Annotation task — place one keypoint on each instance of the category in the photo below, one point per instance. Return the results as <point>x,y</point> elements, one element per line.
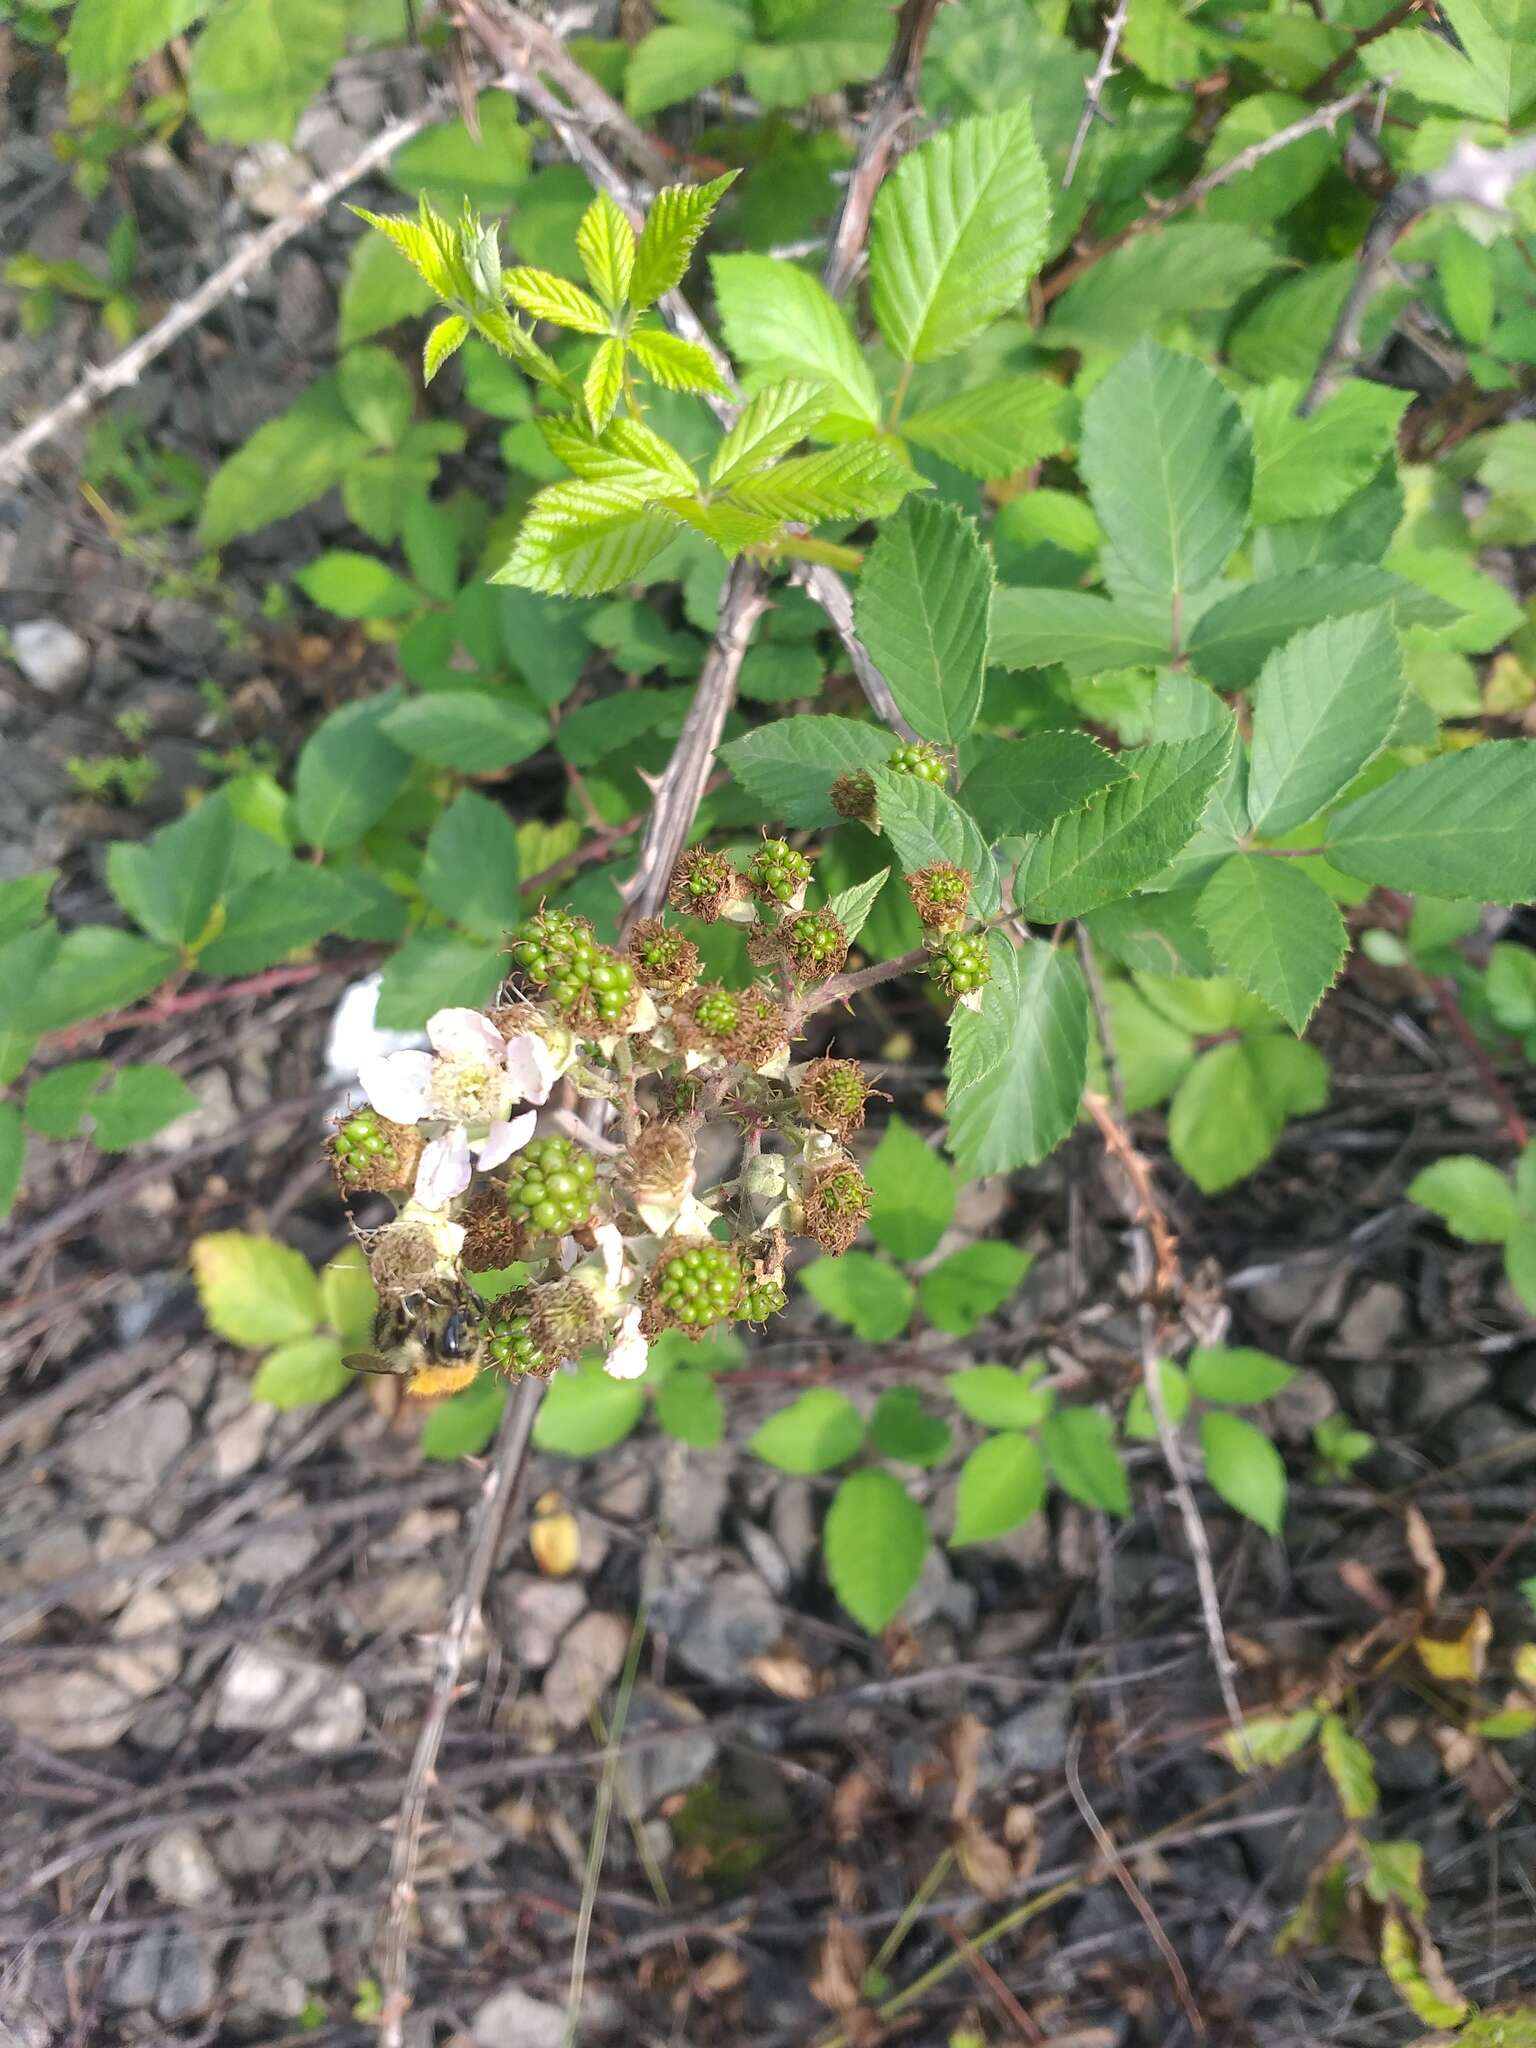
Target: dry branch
<point>1093,99</point>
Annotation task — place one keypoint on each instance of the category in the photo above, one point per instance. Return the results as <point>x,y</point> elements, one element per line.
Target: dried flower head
<point>493,1237</point>
<point>703,884</point>
<point>564,1319</point>
<point>836,1202</point>
<point>762,1030</point>
<point>816,943</point>
<point>833,1094</point>
<point>658,1173</point>
<point>853,796</point>
<point>404,1258</point>
<point>666,962</point>
<point>940,893</point>
<point>371,1155</point>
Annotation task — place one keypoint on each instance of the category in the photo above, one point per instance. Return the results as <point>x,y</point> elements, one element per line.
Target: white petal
<point>464,1035</point>
<point>396,1083</point>
<point>504,1138</point>
<point>631,1354</point>
<point>532,1068</point>
<point>610,1243</point>
<point>444,1170</point>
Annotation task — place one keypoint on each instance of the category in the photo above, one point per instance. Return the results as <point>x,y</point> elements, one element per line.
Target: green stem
<point>899,396</point>
<point>804,547</point>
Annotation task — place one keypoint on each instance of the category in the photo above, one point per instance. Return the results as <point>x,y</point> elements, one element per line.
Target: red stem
<point>168,1003</point>
<point>1443,989</point>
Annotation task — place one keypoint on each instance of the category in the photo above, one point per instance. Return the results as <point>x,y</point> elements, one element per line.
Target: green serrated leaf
<point>24,901</point>
<point>544,296</point>
<point>349,773</point>
<point>140,1102</point>
<point>1086,635</point>
<point>357,586</point>
<point>56,1101</point>
<point>437,970</point>
<point>1459,825</point>
<point>959,230</point>
<point>463,1425</point>
<point>782,323</point>
<point>1240,1377</point>
<point>254,1290</point>
<point>1471,1197</point>
<point>259,63</point>
<point>1079,1444</point>
<point>1276,930</point>
<point>672,64</point>
<point>874,1299</point>
<point>1000,1398</point>
<point>1244,1468</point>
<point>926,825</point>
<point>1126,834</point>
<point>789,765</point>
<point>1017,1066</point>
<point>628,452</point>
<point>860,479</point>
<point>107,38</point>
<point>1001,1484</point>
<point>585,1412</point>
<point>93,970</point>
<point>768,426</point>
<point>170,885</point>
<point>605,242</point>
<point>819,1430</point>
<point>970,1285</point>
<point>1230,1108</point>
<point>1235,637</point>
<point>581,538</point>
<point>688,1407</point>
<point>995,428</point>
<point>902,1428</point>
<point>923,607</point>
<point>382,284</point>
<point>603,385</point>
<point>13,1154</point>
<point>678,216</point>
<point>1306,468</point>
<point>1168,463</point>
<point>1325,705</point>
<point>470,869</point>
<point>914,1193</point>
<point>1013,787</point>
<point>300,1373</point>
<point>284,466</point>
<point>446,338</point>
<point>1141,1421</point>
<point>851,906</point>
<point>676,364</point>
<point>874,1540</point>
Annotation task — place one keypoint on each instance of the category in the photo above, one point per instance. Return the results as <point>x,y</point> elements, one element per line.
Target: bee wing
<point>370,1361</point>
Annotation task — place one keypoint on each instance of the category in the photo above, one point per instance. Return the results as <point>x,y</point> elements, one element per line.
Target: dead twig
<point>1093,99</point>
<point>1167,1279</point>
<point>1326,80</point>
<point>893,106</point>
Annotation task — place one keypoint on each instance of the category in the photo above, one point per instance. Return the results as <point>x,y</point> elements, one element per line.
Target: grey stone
<point>1371,1387</point>
<point>184,628</point>
<point>132,1446</point>
<point>51,655</point>
<point>653,1773</point>
<point>1372,1321</point>
<point>305,309</point>
<point>236,1445</point>
<point>147,1670</point>
<point>69,1709</point>
<point>301,1943</point>
<point>1298,1408</point>
<point>397,1602</point>
<point>538,1611</point>
<point>279,1692</point>
<point>217,1115</point>
<point>792,1520</point>
<point>275,1555</point>
<point>189,1977</point>
<point>732,1621</point>
<point>1442,1383</point>
<point>250,1846</point>
<point>133,1977</point>
<point>271,180</point>
<point>1517,1383</point>
<point>513,2019</point>
<point>693,1514</point>
<point>1486,1431</point>
<point>260,1980</point>
<point>766,1558</point>
<point>182,1870</point>
<point>586,1664</point>
<point>336,1721</point>
<point>1029,1742</point>
<point>939,1593</point>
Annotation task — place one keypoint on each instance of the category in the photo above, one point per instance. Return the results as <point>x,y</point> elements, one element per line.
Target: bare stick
<point>1325,81</point>
<point>125,369</point>
<point>1093,99</point>
<point>893,106</point>
<point>496,1497</point>
<point>1161,211</point>
<point>1471,176</point>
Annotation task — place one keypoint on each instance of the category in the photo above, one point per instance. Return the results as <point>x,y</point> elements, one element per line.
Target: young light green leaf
<point>874,1539</point>
<point>437,970</point>
<point>1234,638</point>
<point>1086,634</point>
<point>875,1300</point>
<point>922,609</point>
<point>1434,71</point>
<point>24,901</point>
<point>902,1428</point>
<point>544,296</point>
<point>1241,1377</point>
<point>301,1373</point>
<point>1243,1466</point>
<point>582,538</point>
<point>1459,825</point>
<point>676,364</point>
<point>995,428</point>
<point>1000,1398</point>
<point>1126,834</point>
<point>285,465</point>
<point>1276,930</point>
<point>782,323</point>
<point>689,1408</point>
<point>470,730</point>
<point>1307,467</point>
<point>1325,704</point>
<point>107,38</point>
<point>470,869</point>
<point>673,63</point>
<point>1001,1484</point>
<point>170,885</point>
<point>462,1426</point>
<point>1230,1108</point>
<point>603,385</point>
<point>1017,1066</point>
<point>382,287</point>
<point>859,479</point>
<point>140,1102</point>
<point>428,243</point>
<point>94,969</point>
<point>446,338</point>
<point>925,825</point>
<point>1348,1763</point>
<point>259,63</point>
<point>1012,787</point>
<point>376,393</point>
<point>769,424</point>
<point>852,906</point>
<point>628,452</point>
<point>1168,463</point>
<point>348,1298</point>
<point>819,1430</point>
<point>914,1193</point>
<point>1473,1199</point>
<point>1079,1444</point>
<point>970,1285</point>
<point>959,230</point>
<point>605,242</point>
<point>679,215</point>
<point>56,1101</point>
<point>790,764</point>
<point>1140,1421</point>
<point>585,1412</point>
<point>254,1290</point>
<point>357,586</point>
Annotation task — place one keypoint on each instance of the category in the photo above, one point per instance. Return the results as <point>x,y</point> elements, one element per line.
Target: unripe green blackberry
<point>563,1319</point>
<point>551,942</point>
<point>702,884</point>
<point>940,893</point>
<point>837,1203</point>
<point>716,1013</point>
<point>371,1155</point>
<point>853,796</point>
<point>587,983</point>
<point>776,873</point>
<point>833,1094</point>
<point>960,963</point>
<point>664,960</point>
<point>919,759</point>
<point>761,1299</point>
<point>511,1347</point>
<point>698,1285</point>
<point>550,1185</point>
<point>816,942</point>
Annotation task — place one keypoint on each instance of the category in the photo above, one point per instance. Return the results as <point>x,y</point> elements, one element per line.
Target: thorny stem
<point>1093,99</point>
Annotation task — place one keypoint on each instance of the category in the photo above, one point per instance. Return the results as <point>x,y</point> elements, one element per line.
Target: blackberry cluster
<point>512,1348</point>
<point>700,1286</point>
<point>940,893</point>
<point>919,759</point>
<point>761,1299</point>
<point>362,1144</point>
<point>585,981</point>
<point>550,1185</point>
<point>816,943</point>
<point>833,1094</point>
<point>960,963</point>
<point>716,1013</point>
<point>776,872</point>
<point>702,884</point>
<point>665,960</point>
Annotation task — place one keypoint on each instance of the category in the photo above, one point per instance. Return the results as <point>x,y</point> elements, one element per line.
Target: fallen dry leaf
<point>785,1672</point>
<point>903,1652</point>
<point>850,1803</point>
<point>723,1972</point>
<point>986,1865</point>
<point>839,1969</point>
<point>1461,1659</point>
<point>1421,1548</point>
<point>960,1744</point>
<point>555,1537</point>
<point>1480,1771</point>
<point>1365,1585</point>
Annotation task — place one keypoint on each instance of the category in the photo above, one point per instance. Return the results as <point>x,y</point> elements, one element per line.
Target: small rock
<point>275,1555</point>
<point>1299,1407</point>
<point>305,310</point>
<point>1371,1387</point>
<point>1029,1742</point>
<point>132,1447</point>
<point>271,180</point>
<point>626,1498</point>
<point>258,1979</point>
<point>59,1553</point>
<point>51,655</point>
<point>182,1870</point>
<point>117,1541</point>
<point>767,1559</point>
<point>277,1691</point>
<point>652,1773</point>
<point>539,1612</point>
<point>397,1602</point>
<point>1486,1431</point>
<point>337,1722</point>
<point>196,1589</point>
<point>133,1976</point>
<point>1372,1321</point>
<point>512,2019</point>
<point>69,1709</point>
<point>146,1671</point>
<point>586,1664</point>
<point>301,1943</point>
<point>217,1115</point>
<point>1441,1384</point>
<point>443,1922</point>
<point>938,1592</point>
<point>237,1445</point>
<point>693,1514</point>
<point>732,1621</point>
<point>189,1977</point>
<point>250,1846</point>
